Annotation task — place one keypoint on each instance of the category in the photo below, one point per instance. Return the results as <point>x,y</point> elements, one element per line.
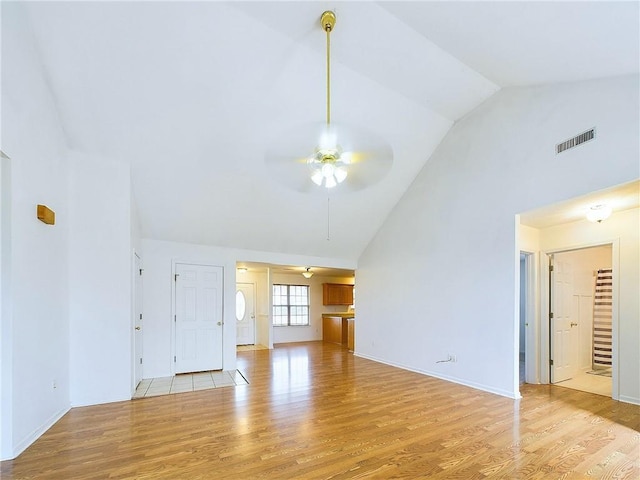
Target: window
<point>290,305</point>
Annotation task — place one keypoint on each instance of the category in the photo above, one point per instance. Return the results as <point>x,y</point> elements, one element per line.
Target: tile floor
<point>189,382</point>
<point>583,381</point>
<point>586,382</point>
<point>247,348</point>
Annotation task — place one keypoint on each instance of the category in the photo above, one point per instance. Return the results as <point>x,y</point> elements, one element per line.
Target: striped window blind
<point>602,319</point>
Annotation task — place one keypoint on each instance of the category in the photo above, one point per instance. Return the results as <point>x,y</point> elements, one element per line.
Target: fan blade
<point>291,172</point>
<point>370,158</point>
<point>368,168</point>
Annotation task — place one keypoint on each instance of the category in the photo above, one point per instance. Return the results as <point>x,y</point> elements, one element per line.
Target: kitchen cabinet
<point>339,328</point>
<point>332,329</point>
<point>337,294</point>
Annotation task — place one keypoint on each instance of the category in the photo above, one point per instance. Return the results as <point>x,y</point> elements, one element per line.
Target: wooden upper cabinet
<point>337,294</point>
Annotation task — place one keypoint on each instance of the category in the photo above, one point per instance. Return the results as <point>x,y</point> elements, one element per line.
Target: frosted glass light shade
<point>598,213</point>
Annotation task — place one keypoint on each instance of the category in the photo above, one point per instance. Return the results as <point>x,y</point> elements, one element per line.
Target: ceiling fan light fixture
<point>326,165</point>
<point>328,154</point>
<point>327,168</point>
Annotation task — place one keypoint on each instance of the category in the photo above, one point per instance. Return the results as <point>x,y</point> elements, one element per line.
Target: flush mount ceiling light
<point>598,213</point>
<point>242,269</point>
<point>307,273</point>
<point>348,157</point>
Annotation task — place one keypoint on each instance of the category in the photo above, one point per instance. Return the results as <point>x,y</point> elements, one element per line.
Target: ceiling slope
<point>191,95</point>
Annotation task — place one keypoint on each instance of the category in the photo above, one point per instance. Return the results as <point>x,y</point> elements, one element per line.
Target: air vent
<point>575,141</point>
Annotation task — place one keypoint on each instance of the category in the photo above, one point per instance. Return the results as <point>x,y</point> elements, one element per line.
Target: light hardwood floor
<point>313,410</point>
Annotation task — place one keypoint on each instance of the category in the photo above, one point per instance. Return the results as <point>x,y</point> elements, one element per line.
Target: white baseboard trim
<point>477,386</point>
<point>33,436</point>
<point>625,399</point>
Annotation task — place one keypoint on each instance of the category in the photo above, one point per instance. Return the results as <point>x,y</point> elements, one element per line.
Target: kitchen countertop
<point>340,314</point>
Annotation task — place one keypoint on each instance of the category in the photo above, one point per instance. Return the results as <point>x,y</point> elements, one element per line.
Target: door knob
<point>137,328</point>
<point>219,323</point>
<point>573,324</point>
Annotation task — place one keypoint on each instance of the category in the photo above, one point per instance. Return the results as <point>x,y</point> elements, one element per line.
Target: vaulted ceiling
<point>191,95</point>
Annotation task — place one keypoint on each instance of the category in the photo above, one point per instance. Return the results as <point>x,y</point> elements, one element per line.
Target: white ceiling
<point>619,198</point>
<point>191,94</point>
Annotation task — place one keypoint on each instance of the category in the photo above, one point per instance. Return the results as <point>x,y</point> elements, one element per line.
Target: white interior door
<point>564,335</point>
<point>198,318</point>
<point>584,309</point>
<point>137,320</point>
<point>245,314</point>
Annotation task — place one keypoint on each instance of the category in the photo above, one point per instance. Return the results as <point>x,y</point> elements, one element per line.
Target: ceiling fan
<point>338,157</point>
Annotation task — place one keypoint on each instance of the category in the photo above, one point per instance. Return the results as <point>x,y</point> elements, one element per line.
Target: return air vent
<point>575,141</point>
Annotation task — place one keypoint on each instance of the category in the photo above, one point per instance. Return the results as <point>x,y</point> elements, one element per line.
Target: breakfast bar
<point>339,328</point>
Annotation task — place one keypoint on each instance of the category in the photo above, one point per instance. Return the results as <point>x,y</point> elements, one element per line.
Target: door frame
<point>172,325</point>
<point>531,355</point>
<point>137,301</point>
<point>544,339</point>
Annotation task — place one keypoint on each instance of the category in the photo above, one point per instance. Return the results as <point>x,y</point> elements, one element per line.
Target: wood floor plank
<point>314,411</point>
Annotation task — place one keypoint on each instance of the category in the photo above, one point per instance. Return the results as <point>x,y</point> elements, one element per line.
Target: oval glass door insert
<point>241,305</point>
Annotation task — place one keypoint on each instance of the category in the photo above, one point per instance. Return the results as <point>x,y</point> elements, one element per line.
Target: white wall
<point>35,329</point>
<point>264,331</point>
<point>622,228</point>
<point>159,257</point>
<point>260,280</point>
<point>441,274</point>
<point>6,319</point>
<point>100,280</point>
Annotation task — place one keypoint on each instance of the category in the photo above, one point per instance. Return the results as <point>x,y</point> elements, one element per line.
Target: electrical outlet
<point>452,358</point>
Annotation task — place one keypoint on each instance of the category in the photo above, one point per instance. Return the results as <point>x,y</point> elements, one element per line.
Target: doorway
<point>527,352</point>
<point>522,350</point>
<point>245,314</point>
<point>580,319</point>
